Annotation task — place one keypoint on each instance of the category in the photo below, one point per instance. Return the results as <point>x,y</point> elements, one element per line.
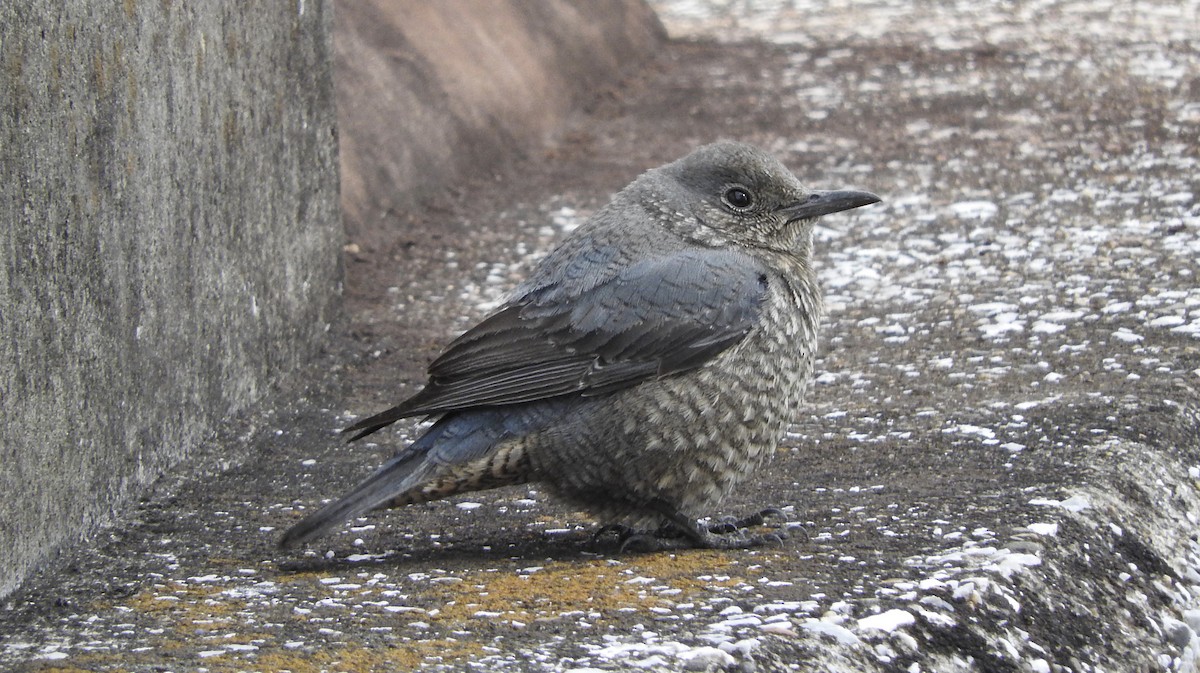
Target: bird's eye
<point>739,197</point>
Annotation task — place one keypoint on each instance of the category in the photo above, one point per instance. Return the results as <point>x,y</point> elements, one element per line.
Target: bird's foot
<point>617,530</point>
<point>732,524</point>
<point>703,539</point>
<point>623,534</point>
<point>680,532</point>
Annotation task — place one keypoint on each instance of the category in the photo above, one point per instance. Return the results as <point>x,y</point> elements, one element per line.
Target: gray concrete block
<point>169,239</point>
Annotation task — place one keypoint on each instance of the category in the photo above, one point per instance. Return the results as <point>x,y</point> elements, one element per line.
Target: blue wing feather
<point>654,318</point>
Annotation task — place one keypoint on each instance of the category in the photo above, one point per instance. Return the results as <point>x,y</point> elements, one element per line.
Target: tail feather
<point>459,453</point>
<point>377,422</point>
<point>401,474</point>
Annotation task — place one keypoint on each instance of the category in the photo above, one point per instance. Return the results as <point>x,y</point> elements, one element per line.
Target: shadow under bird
<point>649,364</point>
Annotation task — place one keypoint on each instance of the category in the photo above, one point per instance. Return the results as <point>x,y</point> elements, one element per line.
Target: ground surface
<point>997,470</point>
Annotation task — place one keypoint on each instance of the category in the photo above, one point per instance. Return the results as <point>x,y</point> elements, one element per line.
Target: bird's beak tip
<point>825,202</point>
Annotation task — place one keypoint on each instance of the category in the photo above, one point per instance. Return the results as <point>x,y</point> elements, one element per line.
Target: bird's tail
<point>401,474</point>
<point>461,452</point>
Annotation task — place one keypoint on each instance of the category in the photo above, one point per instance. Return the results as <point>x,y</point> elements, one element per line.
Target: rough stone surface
<point>169,241</point>
<point>997,469</point>
<point>432,92</point>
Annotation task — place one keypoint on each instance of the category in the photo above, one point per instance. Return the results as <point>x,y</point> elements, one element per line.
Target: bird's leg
<point>619,530</point>
<point>624,534</point>
<point>690,534</point>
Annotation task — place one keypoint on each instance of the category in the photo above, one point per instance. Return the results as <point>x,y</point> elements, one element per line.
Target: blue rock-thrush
<point>650,363</point>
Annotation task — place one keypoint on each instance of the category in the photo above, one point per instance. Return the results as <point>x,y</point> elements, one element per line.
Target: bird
<point>647,366</point>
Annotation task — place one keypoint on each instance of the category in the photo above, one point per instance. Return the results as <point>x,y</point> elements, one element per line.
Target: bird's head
<point>737,194</point>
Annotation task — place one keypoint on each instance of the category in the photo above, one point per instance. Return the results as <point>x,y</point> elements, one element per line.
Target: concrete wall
<point>169,225</point>
<point>431,92</point>
<point>169,239</point>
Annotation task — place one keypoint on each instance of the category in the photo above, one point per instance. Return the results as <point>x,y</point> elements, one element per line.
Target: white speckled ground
<point>999,465</point>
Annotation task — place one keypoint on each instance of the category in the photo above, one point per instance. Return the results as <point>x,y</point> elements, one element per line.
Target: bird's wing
<point>654,318</point>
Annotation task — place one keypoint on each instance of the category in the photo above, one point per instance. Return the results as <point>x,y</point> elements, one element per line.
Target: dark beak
<point>824,203</point>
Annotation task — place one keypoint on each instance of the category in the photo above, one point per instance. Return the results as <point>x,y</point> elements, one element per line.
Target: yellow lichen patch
<point>302,576</point>
<point>338,661</point>
<point>90,662</point>
<point>187,606</point>
<point>566,587</point>
<point>167,597</point>
<point>362,659</point>
<point>349,659</point>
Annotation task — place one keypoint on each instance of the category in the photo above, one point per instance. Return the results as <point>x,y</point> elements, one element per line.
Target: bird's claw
<point>798,530</point>
<point>726,526</point>
<point>731,524</point>
<point>645,543</point>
